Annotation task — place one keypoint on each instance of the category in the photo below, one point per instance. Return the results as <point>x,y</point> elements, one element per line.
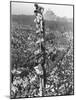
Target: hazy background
<point>28,9</point>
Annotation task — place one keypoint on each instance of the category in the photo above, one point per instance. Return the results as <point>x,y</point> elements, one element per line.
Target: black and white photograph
<point>41,50</point>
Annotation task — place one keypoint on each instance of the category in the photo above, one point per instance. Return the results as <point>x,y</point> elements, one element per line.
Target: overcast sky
<point>28,9</point>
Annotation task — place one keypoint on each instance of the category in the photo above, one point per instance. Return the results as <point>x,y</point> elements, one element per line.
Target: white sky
<point>28,9</point>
